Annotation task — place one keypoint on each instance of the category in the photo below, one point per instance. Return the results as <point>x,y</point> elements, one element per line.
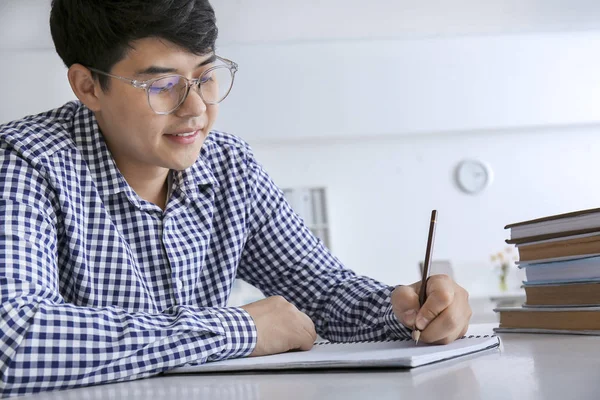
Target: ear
<point>84,86</point>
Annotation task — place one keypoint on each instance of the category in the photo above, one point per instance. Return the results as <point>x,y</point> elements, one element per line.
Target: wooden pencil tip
<point>416,335</point>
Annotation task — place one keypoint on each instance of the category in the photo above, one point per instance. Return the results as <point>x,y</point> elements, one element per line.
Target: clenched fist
<point>280,326</point>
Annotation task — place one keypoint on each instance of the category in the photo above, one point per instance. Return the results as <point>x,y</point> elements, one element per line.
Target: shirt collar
<point>200,174</point>
<point>107,177</point>
<point>89,140</point>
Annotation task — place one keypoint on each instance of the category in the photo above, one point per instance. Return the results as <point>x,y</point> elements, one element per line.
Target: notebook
<point>401,353</point>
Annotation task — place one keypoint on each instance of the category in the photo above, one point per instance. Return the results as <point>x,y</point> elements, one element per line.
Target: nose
<point>193,105</point>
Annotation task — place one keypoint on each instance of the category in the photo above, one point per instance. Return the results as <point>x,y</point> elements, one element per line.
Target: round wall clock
<point>473,176</point>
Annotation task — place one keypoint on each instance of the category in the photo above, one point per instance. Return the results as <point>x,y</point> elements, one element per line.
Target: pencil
<point>425,273</point>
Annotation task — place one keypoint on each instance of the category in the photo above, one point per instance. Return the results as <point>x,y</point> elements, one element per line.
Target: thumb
<point>405,304</point>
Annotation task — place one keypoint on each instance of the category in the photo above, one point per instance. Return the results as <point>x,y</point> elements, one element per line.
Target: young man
<point>125,220</point>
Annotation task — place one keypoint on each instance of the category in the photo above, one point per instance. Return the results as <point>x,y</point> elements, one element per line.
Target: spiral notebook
<point>402,353</point>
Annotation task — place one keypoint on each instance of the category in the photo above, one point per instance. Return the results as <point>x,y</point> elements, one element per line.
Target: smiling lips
<point>184,137</point>
<point>184,134</point>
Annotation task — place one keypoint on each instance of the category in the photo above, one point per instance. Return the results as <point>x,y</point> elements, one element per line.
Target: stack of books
<point>561,258</point>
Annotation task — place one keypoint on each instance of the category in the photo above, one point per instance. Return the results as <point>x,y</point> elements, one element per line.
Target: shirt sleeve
<point>282,257</point>
<point>48,344</point>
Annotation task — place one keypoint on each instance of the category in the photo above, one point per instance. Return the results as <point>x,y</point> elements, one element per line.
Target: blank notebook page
<point>398,353</point>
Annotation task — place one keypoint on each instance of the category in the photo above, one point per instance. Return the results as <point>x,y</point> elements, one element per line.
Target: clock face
<point>472,176</point>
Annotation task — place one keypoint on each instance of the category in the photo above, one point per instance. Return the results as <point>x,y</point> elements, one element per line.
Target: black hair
<point>99,33</point>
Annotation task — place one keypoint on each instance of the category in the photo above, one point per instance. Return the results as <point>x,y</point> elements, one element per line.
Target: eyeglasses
<point>166,93</point>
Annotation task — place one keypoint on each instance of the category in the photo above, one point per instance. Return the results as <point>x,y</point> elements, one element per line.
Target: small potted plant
<point>503,261</point>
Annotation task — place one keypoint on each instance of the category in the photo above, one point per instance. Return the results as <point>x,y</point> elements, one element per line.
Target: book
<point>561,258</point>
<point>552,331</point>
<point>554,226</point>
<point>569,319</point>
<point>562,247</point>
<point>401,353</point>
<point>562,294</point>
<point>571,270</point>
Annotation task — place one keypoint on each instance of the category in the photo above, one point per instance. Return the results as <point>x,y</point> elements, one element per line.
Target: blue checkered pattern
<point>98,285</point>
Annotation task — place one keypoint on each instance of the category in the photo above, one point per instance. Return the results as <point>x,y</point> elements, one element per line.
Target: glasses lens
<point>166,94</point>
<point>215,84</point>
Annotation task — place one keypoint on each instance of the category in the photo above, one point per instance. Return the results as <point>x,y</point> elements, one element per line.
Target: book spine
<point>558,249</point>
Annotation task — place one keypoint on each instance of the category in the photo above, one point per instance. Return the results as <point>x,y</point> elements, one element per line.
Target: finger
<point>445,328</point>
<point>310,330</point>
<point>306,345</point>
<point>405,304</point>
<point>452,323</point>
<point>440,294</point>
<point>309,334</point>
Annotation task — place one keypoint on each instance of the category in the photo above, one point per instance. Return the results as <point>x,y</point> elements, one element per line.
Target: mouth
<point>184,137</point>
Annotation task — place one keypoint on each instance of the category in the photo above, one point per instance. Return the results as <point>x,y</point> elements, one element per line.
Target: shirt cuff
<point>394,329</point>
<point>240,333</point>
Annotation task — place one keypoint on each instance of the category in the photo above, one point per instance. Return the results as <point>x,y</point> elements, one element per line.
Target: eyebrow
<point>154,69</point>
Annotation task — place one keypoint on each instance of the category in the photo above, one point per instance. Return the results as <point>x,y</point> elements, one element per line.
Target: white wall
<point>381,192</point>
<point>406,91</point>
<point>259,21</point>
<point>35,81</point>
<point>404,86</point>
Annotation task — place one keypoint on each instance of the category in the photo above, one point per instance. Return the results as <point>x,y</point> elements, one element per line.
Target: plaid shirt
<point>98,285</point>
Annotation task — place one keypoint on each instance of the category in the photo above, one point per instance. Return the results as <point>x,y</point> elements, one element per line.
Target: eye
<point>164,85</point>
<point>161,88</point>
<point>206,78</point>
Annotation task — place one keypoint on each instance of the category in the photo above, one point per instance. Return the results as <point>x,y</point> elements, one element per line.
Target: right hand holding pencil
<point>445,314</point>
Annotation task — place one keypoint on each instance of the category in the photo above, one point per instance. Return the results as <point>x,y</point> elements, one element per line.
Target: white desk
<point>528,367</point>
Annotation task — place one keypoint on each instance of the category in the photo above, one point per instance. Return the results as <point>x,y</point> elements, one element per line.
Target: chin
<point>184,162</point>
<point>182,158</point>
<point>180,165</point>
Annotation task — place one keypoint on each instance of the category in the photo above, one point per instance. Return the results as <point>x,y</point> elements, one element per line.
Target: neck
<point>149,183</point>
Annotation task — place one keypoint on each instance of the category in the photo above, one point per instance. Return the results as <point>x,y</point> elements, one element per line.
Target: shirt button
<point>179,284</point>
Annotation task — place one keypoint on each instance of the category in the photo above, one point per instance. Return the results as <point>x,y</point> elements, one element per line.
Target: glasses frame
<point>145,85</point>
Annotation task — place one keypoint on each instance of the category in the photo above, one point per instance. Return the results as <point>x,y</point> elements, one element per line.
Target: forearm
<point>343,305</point>
<point>355,308</point>
<point>46,346</point>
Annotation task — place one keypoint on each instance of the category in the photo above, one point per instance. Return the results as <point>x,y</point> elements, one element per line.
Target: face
<point>138,138</point>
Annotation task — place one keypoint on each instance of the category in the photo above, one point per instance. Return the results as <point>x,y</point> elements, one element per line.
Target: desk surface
<point>527,367</point>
